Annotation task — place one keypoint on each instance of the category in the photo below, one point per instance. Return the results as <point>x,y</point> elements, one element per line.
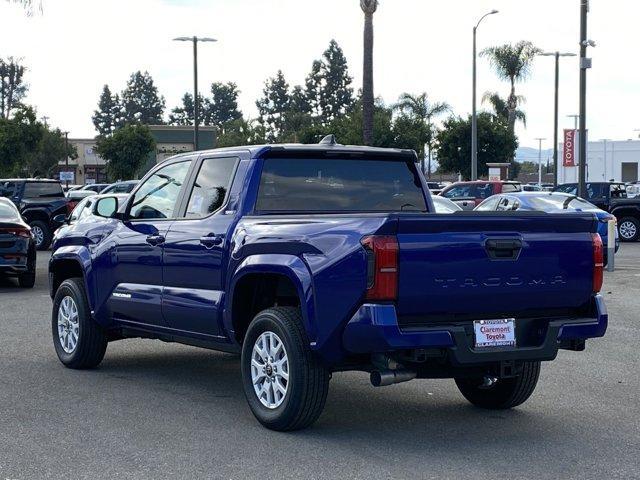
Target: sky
<point>73,47</point>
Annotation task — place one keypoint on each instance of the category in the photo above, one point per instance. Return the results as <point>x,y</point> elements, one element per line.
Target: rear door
<point>493,265</point>
<point>196,248</point>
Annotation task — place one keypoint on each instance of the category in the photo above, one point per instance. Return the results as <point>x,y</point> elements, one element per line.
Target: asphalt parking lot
<point>156,410</point>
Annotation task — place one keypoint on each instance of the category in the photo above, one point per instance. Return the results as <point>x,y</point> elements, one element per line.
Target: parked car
<point>434,187</point>
<point>310,259</point>
<point>612,197</point>
<point>551,202</point>
<point>84,210</point>
<point>120,187</point>
<point>444,205</point>
<point>85,191</point>
<point>38,201</point>
<point>68,188</point>
<point>531,188</point>
<point>17,247</point>
<point>468,195</point>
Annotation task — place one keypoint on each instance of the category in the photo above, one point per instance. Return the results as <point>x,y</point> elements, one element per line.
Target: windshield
<point>339,185</point>
<point>550,203</point>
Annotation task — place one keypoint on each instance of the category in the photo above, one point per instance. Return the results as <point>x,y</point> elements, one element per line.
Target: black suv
<point>38,201</point>
<point>612,197</point>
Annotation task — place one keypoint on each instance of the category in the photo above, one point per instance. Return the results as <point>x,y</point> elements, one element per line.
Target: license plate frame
<point>494,333</point>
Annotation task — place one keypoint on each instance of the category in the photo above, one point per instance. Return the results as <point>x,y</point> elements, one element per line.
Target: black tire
<point>629,229</point>
<point>505,393</point>
<point>308,382</point>
<point>92,342</point>
<point>44,242</point>
<point>28,279</point>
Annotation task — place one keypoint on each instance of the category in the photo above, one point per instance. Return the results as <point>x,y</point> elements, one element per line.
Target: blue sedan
<point>550,202</point>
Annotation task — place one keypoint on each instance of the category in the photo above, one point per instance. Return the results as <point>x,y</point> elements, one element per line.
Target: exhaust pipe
<point>382,378</point>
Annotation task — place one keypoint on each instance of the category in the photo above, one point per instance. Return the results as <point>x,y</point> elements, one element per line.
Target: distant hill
<point>531,154</point>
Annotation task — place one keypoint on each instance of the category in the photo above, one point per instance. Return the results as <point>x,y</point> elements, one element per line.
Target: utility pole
<point>474,115</point>
<point>540,159</point>
<point>66,155</point>
<point>585,63</point>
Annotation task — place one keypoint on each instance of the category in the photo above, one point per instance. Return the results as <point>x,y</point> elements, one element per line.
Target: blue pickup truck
<point>314,259</point>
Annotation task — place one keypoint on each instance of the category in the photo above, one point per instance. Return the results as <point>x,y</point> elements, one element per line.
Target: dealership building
<point>615,160</point>
<point>89,167</point>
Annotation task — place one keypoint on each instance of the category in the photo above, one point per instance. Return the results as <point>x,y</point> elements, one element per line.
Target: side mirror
<point>62,218</point>
<point>106,207</point>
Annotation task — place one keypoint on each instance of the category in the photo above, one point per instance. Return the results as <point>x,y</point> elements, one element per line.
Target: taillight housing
<point>382,267</point>
<point>598,262</point>
<point>18,231</point>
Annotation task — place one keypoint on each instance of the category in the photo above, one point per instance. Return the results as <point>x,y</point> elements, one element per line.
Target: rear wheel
<point>79,341</point>
<point>28,279</point>
<point>41,234</point>
<point>505,392</point>
<point>629,229</point>
<point>284,382</point>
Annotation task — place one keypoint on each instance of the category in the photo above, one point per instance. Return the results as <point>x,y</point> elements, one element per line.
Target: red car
<point>468,195</point>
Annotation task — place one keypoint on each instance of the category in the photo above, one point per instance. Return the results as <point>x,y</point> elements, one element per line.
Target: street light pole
<point>66,155</point>
<point>474,116</point>
<point>196,102</point>
<point>585,63</point>
<point>540,159</point>
<point>557,56</point>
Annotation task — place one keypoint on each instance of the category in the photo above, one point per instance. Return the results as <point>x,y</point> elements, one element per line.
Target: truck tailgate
<point>484,266</point>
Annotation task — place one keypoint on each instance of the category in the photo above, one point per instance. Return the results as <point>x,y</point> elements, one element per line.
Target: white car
<point>444,205</point>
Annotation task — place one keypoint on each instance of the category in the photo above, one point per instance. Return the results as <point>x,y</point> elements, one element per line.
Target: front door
<point>195,251</point>
<point>137,247</point>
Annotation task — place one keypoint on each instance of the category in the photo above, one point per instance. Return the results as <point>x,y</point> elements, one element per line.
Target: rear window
<point>339,185</point>
<point>42,189</point>
<point>510,187</point>
<point>7,210</point>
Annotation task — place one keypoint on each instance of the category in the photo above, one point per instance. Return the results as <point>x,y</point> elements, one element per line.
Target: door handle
<point>155,240</point>
<point>504,249</point>
<point>210,241</point>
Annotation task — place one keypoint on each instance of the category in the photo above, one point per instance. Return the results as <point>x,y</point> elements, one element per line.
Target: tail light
<point>17,231</point>
<point>598,262</point>
<point>71,204</point>
<point>382,267</point>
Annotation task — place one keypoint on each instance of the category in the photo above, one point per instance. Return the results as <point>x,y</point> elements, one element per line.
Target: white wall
<point>604,160</point>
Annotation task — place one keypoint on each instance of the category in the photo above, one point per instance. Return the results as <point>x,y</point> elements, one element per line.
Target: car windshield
<point>550,203</point>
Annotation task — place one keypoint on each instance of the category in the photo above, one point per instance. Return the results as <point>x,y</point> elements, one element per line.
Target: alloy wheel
<point>38,235</point>
<point>270,370</point>
<point>627,230</point>
<point>68,324</point>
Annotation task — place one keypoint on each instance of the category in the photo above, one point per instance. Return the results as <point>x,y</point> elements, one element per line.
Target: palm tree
<point>421,108</point>
<point>369,8</point>
<point>500,109</point>
<point>512,63</point>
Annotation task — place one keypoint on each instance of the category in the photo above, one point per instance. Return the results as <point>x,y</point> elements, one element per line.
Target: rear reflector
<point>382,267</point>
<point>598,262</point>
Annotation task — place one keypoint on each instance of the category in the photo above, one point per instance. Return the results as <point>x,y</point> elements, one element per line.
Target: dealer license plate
<point>495,333</point>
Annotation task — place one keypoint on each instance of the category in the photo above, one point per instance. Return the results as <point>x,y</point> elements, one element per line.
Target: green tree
<point>19,136</point>
<point>499,106</point>
<point>12,85</point>
<point>141,102</point>
<point>49,151</point>
<point>420,108</point>
<point>512,62</point>
<point>240,132</point>
<point>222,107</point>
<point>329,89</point>
<point>496,143</point>
<point>273,105</point>
<point>108,116</point>
<point>184,115</point>
<point>126,150</point>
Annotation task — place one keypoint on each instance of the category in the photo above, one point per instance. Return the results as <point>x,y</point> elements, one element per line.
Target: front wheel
<point>79,341</point>
<point>629,229</point>
<point>284,382</point>
<point>505,392</point>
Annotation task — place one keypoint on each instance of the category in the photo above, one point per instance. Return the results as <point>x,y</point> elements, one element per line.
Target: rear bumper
<point>374,329</point>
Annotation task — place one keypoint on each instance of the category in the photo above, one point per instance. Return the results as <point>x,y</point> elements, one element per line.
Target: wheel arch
<point>263,281</point>
<point>71,264</point>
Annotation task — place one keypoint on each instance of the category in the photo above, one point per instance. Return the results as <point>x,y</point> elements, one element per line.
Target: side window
<point>157,197</point>
<point>86,212</point>
<point>75,215</point>
<point>504,204</point>
<point>211,186</point>
<point>618,190</point>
